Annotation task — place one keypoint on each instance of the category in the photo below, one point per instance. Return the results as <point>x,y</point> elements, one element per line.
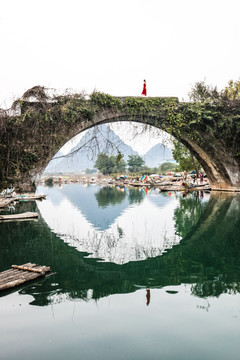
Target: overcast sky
<point>111,46</point>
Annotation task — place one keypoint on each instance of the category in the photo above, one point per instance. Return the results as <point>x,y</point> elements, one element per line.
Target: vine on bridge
<point>41,114</point>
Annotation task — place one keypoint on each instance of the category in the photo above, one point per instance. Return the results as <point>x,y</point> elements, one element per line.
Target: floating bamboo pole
<point>26,268</point>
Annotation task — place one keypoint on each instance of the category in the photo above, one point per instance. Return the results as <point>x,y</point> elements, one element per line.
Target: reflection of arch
<point>40,140</point>
<point>208,258</point>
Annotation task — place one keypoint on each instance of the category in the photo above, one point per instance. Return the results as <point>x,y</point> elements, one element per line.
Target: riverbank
<point>163,182</point>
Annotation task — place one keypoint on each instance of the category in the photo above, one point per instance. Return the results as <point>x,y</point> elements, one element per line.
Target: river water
<point>137,274</point>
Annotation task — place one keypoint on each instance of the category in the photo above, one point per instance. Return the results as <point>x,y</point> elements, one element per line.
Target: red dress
<point>144,92</point>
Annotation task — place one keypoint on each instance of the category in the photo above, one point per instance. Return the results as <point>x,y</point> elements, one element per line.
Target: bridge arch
<point>221,177</point>
<point>39,132</point>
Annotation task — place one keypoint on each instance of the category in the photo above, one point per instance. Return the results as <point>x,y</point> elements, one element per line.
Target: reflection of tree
<point>109,195</point>
<point>120,232</point>
<point>188,213</point>
<point>215,287</point>
<point>135,196</point>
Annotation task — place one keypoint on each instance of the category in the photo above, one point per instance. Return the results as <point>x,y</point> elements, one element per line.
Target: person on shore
<point>201,178</point>
<point>144,92</point>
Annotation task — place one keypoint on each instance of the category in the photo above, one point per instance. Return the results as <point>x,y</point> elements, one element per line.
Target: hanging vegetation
<point>39,123</point>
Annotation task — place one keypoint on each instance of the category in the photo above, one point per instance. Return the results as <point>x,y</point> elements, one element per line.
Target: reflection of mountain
<point>159,201</point>
<point>97,140</point>
<point>97,204</point>
<point>128,232</point>
<point>56,194</point>
<point>87,203</point>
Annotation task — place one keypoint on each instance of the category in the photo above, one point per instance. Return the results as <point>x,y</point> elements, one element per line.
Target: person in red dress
<point>144,92</point>
<point>148,296</point>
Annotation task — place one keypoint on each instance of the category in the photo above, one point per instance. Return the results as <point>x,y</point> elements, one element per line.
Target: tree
<point>135,163</point>
<point>184,158</point>
<point>232,91</point>
<point>203,92</point>
<point>109,164</point>
<point>167,166</point>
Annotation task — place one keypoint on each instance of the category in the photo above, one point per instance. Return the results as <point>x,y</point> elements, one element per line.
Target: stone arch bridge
<point>32,134</point>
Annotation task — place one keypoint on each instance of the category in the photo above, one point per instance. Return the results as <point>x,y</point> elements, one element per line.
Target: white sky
<point>111,46</point>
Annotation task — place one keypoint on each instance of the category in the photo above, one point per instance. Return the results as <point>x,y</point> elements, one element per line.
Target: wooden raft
<point>26,215</point>
<point>18,275</point>
<point>6,201</point>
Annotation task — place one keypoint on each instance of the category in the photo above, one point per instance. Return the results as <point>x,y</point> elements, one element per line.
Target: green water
<point>136,275</point>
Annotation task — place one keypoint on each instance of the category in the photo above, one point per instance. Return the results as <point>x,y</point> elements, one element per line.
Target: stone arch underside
<point>221,168</point>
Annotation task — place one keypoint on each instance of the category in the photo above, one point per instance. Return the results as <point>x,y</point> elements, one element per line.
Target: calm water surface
<point>137,275</point>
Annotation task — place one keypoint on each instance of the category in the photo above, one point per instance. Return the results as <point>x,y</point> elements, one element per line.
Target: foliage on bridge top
<point>42,120</point>
<point>216,114</point>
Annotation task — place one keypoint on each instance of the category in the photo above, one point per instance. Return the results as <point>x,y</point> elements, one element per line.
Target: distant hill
<point>157,154</point>
<point>54,163</point>
<point>98,139</point>
<point>103,139</point>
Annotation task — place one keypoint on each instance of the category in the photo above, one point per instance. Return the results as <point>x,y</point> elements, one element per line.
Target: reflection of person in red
<point>144,92</point>
<point>148,296</point>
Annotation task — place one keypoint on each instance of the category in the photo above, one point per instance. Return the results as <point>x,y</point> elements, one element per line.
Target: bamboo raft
<point>185,189</point>
<point>22,216</point>
<point>18,275</point>
<point>8,200</point>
